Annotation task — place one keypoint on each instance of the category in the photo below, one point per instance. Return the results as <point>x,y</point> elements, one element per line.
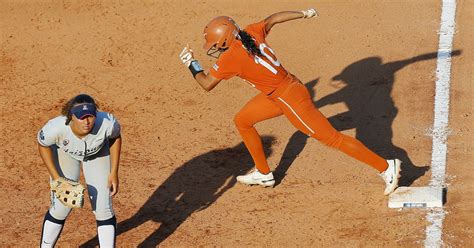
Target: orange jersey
<point>263,72</point>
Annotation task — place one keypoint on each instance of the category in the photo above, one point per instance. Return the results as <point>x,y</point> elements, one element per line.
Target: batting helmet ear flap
<point>220,33</point>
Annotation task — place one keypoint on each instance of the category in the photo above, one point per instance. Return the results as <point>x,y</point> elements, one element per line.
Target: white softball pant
<point>96,173</point>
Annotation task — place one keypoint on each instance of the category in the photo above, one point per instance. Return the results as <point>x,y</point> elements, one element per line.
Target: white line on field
<point>441,116</point>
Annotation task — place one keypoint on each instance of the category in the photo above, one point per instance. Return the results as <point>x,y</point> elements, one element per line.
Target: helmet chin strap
<point>215,52</point>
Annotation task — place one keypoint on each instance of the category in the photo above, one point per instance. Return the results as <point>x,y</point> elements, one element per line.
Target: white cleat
<point>256,177</point>
<point>391,175</point>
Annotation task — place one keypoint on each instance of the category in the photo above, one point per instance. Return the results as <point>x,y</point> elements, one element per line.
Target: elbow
<point>207,87</point>
<point>206,82</point>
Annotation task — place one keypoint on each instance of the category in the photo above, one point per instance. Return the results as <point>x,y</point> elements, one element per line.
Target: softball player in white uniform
<point>82,135</point>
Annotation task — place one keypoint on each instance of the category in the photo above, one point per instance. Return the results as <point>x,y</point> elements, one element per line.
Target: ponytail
<point>249,43</point>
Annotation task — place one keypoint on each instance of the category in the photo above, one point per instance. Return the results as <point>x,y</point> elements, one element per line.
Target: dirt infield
<point>369,66</point>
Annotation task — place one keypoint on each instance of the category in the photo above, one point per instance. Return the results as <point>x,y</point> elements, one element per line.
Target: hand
<point>186,56</point>
<point>113,184</point>
<point>309,13</point>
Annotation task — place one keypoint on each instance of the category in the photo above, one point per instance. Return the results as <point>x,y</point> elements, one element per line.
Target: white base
<point>416,197</point>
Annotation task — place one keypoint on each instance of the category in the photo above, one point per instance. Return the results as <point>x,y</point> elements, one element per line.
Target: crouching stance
<point>81,135</point>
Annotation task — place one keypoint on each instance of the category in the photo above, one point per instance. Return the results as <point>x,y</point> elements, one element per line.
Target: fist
<point>186,56</point>
<point>309,13</point>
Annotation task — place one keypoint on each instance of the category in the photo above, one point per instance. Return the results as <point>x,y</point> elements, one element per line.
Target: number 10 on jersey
<point>272,58</point>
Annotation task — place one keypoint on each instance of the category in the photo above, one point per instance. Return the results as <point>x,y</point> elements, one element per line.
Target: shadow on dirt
<point>365,88</point>
<point>193,187</point>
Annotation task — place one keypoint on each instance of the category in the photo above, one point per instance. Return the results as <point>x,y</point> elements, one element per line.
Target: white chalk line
<point>441,116</point>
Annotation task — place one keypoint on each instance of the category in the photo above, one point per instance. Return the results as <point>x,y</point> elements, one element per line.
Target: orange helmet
<point>220,32</point>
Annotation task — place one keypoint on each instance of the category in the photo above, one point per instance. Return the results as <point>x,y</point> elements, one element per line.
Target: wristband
<point>195,68</point>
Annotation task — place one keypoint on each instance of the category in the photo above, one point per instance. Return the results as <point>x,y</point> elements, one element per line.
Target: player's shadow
<point>193,187</point>
<point>366,91</point>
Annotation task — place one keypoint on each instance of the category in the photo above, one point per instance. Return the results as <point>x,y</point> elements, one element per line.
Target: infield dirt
<point>368,64</point>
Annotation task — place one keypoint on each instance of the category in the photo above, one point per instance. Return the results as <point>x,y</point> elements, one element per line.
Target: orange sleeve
<point>257,28</point>
<point>225,67</point>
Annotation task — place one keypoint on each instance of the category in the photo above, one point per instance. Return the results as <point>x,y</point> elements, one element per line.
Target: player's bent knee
<point>103,214</point>
<point>241,122</point>
<point>59,211</point>
<point>51,218</point>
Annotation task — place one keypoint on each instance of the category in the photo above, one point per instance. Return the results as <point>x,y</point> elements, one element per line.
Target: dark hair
<point>82,98</point>
<point>249,43</point>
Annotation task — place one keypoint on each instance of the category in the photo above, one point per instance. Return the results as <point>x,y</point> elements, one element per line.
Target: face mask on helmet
<point>219,34</point>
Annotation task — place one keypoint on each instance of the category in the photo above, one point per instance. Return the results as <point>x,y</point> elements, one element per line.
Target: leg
<point>55,217</point>
<point>106,230</point>
<point>300,110</point>
<point>96,174</point>
<point>256,110</point>
<point>51,230</point>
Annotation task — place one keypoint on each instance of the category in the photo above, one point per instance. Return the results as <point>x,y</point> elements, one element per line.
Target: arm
<point>206,81</point>
<point>47,157</point>
<point>397,65</point>
<point>329,99</point>
<point>285,16</point>
<point>115,148</point>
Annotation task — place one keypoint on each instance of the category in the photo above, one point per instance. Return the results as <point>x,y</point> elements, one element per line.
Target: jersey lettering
<point>270,58</point>
<point>55,132</point>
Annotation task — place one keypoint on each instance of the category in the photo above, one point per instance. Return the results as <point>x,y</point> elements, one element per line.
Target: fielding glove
<point>70,193</point>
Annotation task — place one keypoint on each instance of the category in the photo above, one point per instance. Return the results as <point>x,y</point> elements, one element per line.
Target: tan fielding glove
<point>70,193</point>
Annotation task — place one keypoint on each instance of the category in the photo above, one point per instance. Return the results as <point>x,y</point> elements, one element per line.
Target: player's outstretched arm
<point>206,81</point>
<point>285,16</point>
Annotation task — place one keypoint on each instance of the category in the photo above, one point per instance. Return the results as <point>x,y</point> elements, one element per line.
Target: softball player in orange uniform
<point>246,54</point>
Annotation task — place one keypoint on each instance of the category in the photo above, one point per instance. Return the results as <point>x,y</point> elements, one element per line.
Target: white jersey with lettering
<point>56,132</point>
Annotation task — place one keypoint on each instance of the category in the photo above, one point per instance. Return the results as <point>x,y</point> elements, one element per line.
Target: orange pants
<point>294,101</point>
